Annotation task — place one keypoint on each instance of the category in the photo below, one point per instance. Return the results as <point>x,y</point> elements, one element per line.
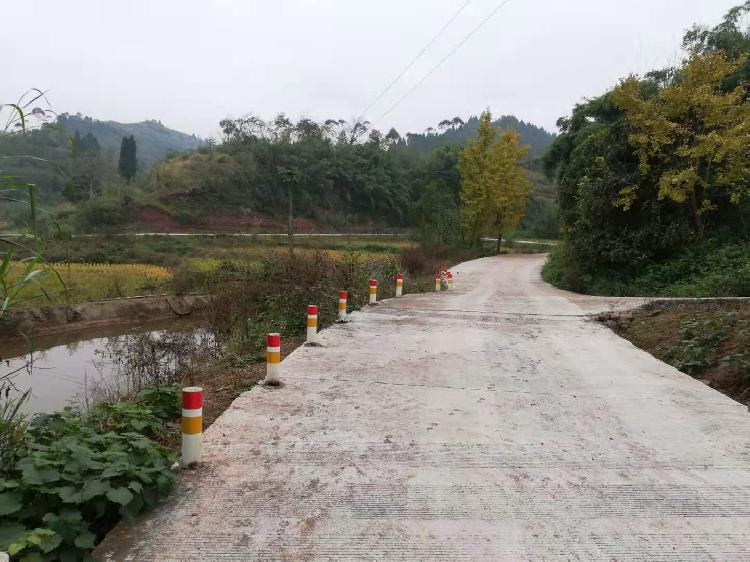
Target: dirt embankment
<point>151,219</point>
<point>48,320</point>
<point>709,340</point>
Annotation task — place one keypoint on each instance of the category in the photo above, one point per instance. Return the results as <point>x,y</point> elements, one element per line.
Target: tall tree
<point>128,160</point>
<point>494,186</point>
<point>691,135</point>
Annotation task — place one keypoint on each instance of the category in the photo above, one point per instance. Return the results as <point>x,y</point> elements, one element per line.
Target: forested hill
<point>457,131</point>
<point>154,140</point>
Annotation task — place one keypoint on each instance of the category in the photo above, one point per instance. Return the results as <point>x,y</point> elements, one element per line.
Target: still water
<point>78,368</point>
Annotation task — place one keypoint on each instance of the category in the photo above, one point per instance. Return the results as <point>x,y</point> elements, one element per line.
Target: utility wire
<point>408,66</point>
<point>445,58</point>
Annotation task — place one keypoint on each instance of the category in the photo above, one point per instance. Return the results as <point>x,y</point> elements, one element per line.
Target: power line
<point>408,66</point>
<point>445,58</point>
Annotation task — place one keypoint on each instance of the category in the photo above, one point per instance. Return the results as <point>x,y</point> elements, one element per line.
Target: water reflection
<point>87,367</point>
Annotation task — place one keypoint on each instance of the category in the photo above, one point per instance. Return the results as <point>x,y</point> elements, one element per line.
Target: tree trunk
<point>290,219</point>
<point>696,215</point>
<point>499,242</point>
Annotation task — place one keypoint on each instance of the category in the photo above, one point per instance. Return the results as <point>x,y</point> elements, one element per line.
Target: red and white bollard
<point>312,323</point>
<point>399,284</point>
<point>273,359</point>
<point>192,425</point>
<point>342,305</point>
<point>438,282</point>
<point>450,280</point>
<point>373,291</point>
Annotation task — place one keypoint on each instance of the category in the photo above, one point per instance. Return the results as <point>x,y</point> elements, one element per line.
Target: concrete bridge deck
<point>492,422</point>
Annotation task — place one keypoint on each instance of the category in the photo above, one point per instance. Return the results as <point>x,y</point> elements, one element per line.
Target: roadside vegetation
<point>653,187</point>
<point>707,340</point>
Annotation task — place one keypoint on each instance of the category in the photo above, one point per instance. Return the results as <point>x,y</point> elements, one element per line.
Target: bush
<point>78,474</point>
<point>102,213</point>
<point>717,267</point>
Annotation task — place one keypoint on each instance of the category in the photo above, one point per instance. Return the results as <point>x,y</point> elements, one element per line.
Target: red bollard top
<point>437,276</point>
<point>343,294</point>
<point>312,310</point>
<point>273,340</point>
<point>450,275</point>
<point>399,276</point>
<point>373,282</point>
<point>192,398</point>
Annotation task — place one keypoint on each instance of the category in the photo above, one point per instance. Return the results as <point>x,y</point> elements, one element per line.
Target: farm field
<point>107,267</point>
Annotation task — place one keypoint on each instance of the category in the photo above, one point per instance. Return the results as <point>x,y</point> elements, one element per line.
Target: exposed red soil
<point>151,219</point>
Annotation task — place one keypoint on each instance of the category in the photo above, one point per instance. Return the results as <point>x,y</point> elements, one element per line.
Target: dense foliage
<point>76,474</point>
<point>655,166</point>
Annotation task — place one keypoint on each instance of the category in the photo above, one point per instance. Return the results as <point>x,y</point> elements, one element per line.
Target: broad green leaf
<point>94,488</point>
<point>10,502</point>
<point>10,532</point>
<point>68,494</point>
<point>46,539</point>
<point>87,539</point>
<point>120,495</point>
<point>37,476</point>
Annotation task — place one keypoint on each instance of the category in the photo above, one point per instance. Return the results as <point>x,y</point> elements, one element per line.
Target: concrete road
<point>492,422</point>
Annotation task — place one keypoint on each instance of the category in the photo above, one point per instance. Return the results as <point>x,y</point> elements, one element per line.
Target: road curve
<point>492,422</point>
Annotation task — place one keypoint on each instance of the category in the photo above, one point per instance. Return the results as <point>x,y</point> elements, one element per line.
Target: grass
<point>707,340</point>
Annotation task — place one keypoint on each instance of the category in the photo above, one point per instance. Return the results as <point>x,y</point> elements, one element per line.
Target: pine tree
<point>494,186</point>
<point>128,160</point>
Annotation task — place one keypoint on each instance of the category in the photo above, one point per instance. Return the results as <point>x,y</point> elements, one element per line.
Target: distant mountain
<point>458,132</point>
<point>154,141</point>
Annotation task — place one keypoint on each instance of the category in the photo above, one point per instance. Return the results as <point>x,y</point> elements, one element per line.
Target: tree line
<point>660,162</point>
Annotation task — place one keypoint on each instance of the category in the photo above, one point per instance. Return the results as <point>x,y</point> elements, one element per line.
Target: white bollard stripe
<point>192,413</point>
<point>273,349</point>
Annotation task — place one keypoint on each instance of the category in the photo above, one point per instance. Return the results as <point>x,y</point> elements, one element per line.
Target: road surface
<point>493,422</point>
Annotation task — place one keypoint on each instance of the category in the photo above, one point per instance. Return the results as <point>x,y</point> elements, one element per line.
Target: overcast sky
<point>190,63</point>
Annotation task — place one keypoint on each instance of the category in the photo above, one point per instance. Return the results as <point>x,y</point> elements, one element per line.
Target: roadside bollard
<point>342,305</point>
<point>192,425</point>
<point>273,359</point>
<point>373,291</point>
<point>312,323</point>
<point>399,284</point>
<point>450,280</point>
<point>437,282</point>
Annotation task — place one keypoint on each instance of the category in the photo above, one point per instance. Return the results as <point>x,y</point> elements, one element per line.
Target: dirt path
<point>493,422</point>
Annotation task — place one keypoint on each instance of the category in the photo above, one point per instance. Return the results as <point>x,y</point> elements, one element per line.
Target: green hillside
<point>154,140</point>
<point>456,131</point>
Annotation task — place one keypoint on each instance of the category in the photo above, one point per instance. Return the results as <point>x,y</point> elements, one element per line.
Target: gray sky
<point>191,63</point>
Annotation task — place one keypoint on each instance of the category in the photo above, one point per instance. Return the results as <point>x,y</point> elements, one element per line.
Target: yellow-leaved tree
<point>693,135</point>
<point>494,186</point>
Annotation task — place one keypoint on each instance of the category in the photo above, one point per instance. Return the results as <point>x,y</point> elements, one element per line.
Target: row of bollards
<point>192,396</point>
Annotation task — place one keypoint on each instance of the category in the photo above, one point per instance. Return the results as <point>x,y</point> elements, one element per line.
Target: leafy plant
<point>77,474</point>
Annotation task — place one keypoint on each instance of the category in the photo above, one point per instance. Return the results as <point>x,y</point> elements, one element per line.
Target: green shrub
<point>698,348</point>
<point>717,267</point>
<point>102,213</point>
<point>78,474</point>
